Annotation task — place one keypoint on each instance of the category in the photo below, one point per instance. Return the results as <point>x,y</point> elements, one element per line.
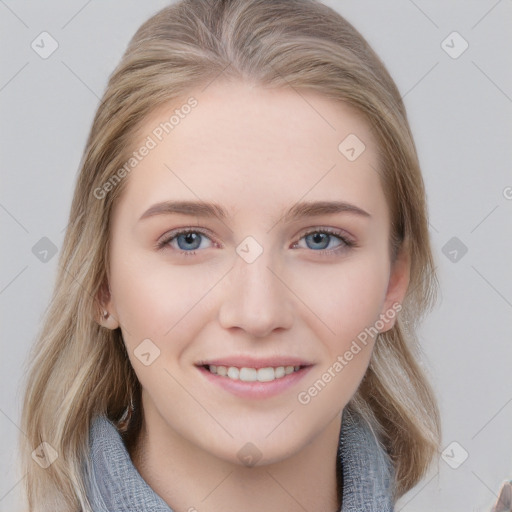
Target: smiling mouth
<point>244,374</point>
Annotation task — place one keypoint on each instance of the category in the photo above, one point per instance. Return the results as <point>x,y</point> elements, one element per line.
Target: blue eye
<point>320,239</point>
<point>187,240</point>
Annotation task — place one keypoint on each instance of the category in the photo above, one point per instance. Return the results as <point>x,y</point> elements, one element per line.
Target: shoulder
<point>368,471</point>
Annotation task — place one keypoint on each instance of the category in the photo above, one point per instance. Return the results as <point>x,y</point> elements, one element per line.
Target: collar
<point>114,484</point>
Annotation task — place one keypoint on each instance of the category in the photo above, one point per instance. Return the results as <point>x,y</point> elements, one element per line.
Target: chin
<point>256,451</point>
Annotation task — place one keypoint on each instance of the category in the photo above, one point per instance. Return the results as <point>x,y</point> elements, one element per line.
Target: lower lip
<point>256,389</point>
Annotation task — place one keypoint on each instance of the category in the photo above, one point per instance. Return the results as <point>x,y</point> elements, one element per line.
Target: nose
<point>255,298</point>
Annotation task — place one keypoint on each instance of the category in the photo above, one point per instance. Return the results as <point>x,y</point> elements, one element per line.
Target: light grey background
<point>460,110</point>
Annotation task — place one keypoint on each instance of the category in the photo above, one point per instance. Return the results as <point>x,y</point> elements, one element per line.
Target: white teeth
<point>244,374</point>
<point>233,373</point>
<point>248,374</point>
<point>279,372</point>
<point>266,374</point>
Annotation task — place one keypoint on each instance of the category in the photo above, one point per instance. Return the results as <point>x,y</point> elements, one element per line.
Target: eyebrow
<point>296,212</point>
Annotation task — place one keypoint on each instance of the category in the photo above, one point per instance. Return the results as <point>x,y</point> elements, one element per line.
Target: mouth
<point>250,378</point>
<point>248,374</point>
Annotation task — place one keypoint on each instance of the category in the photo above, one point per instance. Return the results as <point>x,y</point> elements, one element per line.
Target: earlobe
<point>104,299</point>
<point>108,321</point>
<point>397,288</point>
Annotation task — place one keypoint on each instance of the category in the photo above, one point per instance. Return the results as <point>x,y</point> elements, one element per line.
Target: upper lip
<point>251,362</point>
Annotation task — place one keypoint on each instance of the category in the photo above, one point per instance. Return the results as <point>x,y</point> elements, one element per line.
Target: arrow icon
<point>454,45</point>
<point>249,454</point>
<point>44,44</point>
<point>44,455</point>
<point>454,455</point>
<point>351,147</point>
<point>247,252</point>
<point>147,352</point>
<point>44,250</point>
<point>454,249</point>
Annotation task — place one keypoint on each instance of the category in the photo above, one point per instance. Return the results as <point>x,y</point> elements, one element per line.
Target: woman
<point>247,259</point>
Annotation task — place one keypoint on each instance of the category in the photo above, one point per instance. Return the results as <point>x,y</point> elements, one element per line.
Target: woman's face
<point>256,288</point>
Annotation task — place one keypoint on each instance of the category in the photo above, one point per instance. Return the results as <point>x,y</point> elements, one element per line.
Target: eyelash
<point>347,243</point>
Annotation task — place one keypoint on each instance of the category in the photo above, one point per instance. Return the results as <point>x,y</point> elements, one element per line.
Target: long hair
<point>77,369</point>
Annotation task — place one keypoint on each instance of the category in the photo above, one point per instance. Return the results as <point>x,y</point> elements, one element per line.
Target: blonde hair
<point>78,370</point>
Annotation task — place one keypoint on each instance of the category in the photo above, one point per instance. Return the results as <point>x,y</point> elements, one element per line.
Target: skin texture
<point>256,152</point>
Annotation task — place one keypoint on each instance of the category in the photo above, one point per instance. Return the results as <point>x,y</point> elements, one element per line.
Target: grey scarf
<point>115,485</point>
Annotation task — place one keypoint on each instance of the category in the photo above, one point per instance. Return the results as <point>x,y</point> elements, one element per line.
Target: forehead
<point>255,150</point>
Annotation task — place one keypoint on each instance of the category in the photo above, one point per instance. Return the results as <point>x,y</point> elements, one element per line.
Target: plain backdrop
<point>459,103</point>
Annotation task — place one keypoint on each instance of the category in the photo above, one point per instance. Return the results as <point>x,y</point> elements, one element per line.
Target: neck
<point>188,478</point>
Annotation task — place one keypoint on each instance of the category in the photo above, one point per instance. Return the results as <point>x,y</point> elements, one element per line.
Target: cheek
<point>160,302</point>
<point>156,299</point>
<point>347,298</point>
<point>349,302</point>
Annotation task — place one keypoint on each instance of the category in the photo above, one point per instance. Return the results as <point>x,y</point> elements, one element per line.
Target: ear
<point>397,287</point>
<point>106,316</point>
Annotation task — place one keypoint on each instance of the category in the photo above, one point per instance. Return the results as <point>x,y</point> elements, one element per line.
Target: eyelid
<point>340,233</point>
